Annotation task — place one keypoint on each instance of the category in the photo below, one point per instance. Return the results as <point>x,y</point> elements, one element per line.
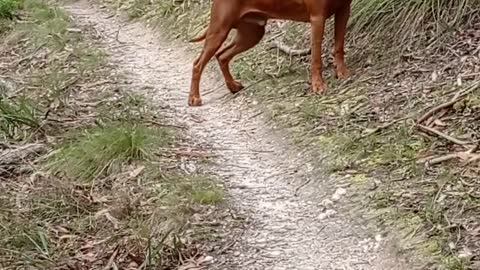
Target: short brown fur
<point>249,17</point>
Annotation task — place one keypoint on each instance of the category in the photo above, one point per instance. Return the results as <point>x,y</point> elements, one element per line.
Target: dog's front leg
<point>341,21</point>
<point>318,30</point>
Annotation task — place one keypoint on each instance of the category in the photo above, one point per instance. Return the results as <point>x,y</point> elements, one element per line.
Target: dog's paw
<point>343,73</point>
<point>194,101</point>
<point>318,87</point>
<point>234,87</point>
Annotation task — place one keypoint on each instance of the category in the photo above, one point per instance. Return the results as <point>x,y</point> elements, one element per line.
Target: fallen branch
<point>289,51</point>
<point>153,122</point>
<point>384,126</point>
<point>466,155</point>
<point>15,155</point>
<point>474,159</point>
<point>443,135</point>
<point>432,161</point>
<point>460,94</point>
<point>111,261</point>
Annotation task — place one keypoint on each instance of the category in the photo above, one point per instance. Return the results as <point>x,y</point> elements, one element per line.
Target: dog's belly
<point>294,10</point>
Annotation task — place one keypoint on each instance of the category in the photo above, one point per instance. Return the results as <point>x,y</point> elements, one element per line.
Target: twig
<point>12,156</point>
<point>443,135</point>
<point>226,247</point>
<point>111,260</point>
<point>117,38</point>
<point>440,159</point>
<point>165,125</point>
<point>306,182</point>
<point>473,159</point>
<point>384,126</point>
<point>458,95</point>
<point>30,57</point>
<point>462,155</point>
<point>194,154</point>
<point>287,50</point>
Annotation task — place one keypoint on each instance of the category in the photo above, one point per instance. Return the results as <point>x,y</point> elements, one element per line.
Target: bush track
<point>285,230</point>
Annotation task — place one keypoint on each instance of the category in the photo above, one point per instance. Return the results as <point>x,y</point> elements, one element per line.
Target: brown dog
<point>249,17</point>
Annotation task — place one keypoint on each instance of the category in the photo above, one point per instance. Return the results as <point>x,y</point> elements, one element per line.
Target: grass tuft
<point>8,8</point>
<point>103,151</point>
<point>18,118</point>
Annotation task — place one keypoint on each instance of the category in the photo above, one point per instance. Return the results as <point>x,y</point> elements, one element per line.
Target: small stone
<point>208,259</point>
<point>236,253</point>
<point>341,191</point>
<point>330,212</point>
<point>327,203</point>
<point>261,240</point>
<point>327,214</point>
<point>378,237</point>
<point>338,194</point>
<point>275,253</point>
<point>335,197</point>
<point>465,253</point>
<point>322,216</point>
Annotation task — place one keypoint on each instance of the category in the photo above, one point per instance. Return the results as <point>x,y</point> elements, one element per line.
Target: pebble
<point>327,203</point>
<point>338,194</point>
<point>327,214</point>
<point>275,253</point>
<point>208,259</point>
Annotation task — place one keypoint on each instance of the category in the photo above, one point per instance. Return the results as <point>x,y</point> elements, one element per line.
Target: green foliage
<point>408,20</point>
<point>8,8</point>
<point>105,150</point>
<point>17,116</point>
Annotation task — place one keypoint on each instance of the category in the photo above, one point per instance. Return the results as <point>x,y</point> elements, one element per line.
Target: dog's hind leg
<point>248,35</point>
<point>217,32</point>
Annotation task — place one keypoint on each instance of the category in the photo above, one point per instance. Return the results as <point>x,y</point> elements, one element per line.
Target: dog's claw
<point>343,73</point>
<point>318,87</point>
<point>234,87</point>
<point>194,101</point>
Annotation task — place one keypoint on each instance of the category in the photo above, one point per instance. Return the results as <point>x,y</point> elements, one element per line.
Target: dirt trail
<point>259,168</point>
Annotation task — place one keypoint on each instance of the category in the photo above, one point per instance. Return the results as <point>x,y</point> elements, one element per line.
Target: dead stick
<point>437,160</point>
<point>112,259</point>
<point>443,135</point>
<point>473,159</point>
<point>287,50</point>
<point>384,126</point>
<point>454,100</point>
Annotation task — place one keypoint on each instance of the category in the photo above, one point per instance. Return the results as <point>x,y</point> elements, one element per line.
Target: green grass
<point>18,118</point>
<point>405,20</point>
<point>8,8</point>
<point>103,151</point>
<point>203,191</point>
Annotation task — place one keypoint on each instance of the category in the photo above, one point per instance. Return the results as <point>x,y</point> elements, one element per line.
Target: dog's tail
<point>200,38</point>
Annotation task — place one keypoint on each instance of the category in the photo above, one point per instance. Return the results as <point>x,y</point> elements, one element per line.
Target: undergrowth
<point>407,57</point>
<point>89,177</point>
<point>8,8</point>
